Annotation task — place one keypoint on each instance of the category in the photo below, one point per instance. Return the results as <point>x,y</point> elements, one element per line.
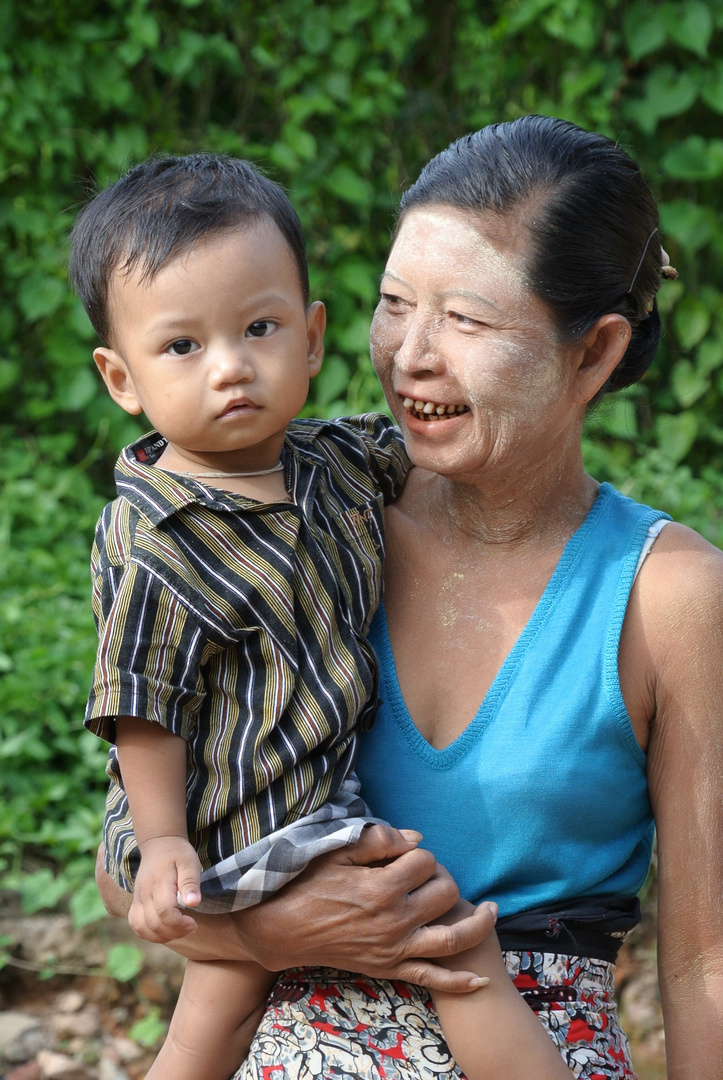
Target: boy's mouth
<point>242,405</point>
<point>432,410</point>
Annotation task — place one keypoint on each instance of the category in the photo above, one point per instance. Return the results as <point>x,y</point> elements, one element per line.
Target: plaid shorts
<point>321,1023</point>
<point>257,872</point>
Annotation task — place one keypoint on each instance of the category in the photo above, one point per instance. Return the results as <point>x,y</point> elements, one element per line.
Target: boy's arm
<point>493,1033</point>
<point>153,766</point>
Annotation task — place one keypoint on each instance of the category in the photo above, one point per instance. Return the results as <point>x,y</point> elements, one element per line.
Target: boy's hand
<point>169,867</point>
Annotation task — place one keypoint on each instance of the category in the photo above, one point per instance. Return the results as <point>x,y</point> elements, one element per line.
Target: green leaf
<point>672,91</point>
<point>149,1030</point>
<point>331,380</point>
<point>354,337</point>
<point>695,159</point>
<point>348,185</point>
<point>359,278</point>
<point>41,890</point>
<point>143,29</point>
<point>688,383</point>
<point>692,225</point>
<point>78,392</point>
<point>676,434</point>
<point>301,142</point>
<point>712,88</point>
<point>86,905</point>
<point>669,296</point>
<point>710,355</point>
<point>691,321</point>
<point>690,24</point>
<point>617,417</point>
<point>9,374</point>
<point>576,22</point>
<point>315,32</point>
<point>40,295</point>
<point>644,30</point>
<point>124,962</point>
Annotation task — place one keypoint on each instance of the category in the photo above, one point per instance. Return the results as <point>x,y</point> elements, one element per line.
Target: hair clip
<point>640,261</point>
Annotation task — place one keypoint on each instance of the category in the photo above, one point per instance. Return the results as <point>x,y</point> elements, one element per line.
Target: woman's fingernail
<point>480,980</point>
<point>411,835</point>
<point>494,908</point>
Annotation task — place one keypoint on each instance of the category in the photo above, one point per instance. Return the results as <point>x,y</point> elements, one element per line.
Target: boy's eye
<point>182,347</point>
<point>260,328</point>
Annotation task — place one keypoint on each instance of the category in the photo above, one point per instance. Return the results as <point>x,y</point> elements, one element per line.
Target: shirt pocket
<point>357,549</point>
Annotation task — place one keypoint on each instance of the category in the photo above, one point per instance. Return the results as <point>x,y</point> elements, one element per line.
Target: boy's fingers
<point>443,940</point>
<point>426,973</point>
<point>160,925</point>
<point>378,843</point>
<point>189,882</point>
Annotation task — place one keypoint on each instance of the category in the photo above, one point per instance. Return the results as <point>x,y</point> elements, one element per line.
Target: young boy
<point>235,576</point>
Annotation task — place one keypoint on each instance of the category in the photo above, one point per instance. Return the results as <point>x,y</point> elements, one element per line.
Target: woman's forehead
<point>457,246</point>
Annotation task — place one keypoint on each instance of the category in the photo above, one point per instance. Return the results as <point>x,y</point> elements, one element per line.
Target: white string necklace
<point>255,472</point>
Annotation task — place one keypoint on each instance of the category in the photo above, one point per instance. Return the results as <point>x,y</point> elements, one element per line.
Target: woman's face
<point>468,357</point>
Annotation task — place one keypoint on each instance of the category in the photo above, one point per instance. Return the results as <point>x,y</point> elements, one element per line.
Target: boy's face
<point>217,350</point>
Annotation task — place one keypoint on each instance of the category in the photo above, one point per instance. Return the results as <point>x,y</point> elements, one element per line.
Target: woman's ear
<point>600,352</point>
<point>117,378</point>
<point>315,327</point>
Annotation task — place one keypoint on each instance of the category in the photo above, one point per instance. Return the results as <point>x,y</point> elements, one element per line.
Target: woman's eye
<point>260,328</point>
<point>394,301</point>
<point>464,320</point>
<point>182,347</point>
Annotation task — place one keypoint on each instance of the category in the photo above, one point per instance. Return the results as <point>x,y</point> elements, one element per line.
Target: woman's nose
<point>419,351</point>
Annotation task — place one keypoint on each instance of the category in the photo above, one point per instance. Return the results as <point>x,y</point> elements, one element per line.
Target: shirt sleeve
<point>150,650</point>
<point>386,455</point>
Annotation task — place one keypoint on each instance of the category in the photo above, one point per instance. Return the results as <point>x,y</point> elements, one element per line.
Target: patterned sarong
<point>322,1024</point>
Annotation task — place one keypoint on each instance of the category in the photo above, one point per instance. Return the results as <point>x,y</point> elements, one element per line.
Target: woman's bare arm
<point>364,908</point>
<point>680,613</point>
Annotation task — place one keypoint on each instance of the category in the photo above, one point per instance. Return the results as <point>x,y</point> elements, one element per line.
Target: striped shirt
<point>241,626</point>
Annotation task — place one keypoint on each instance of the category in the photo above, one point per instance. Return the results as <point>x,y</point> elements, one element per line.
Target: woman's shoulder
<point>682,567</point>
<point>678,599</point>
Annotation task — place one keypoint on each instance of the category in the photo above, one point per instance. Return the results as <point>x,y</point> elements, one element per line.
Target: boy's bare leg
<point>492,1032</point>
<point>218,1010</point>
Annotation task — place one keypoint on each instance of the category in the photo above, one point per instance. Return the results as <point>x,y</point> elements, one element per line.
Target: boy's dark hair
<point>163,207</point>
<point>591,219</point>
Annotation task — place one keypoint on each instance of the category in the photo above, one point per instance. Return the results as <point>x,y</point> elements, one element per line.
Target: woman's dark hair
<point>160,209</point>
<point>591,218</point>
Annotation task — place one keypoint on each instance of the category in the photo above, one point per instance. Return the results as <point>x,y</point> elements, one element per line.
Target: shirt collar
<point>159,494</point>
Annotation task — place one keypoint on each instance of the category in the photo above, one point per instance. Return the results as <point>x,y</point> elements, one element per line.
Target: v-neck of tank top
<point>391,689</point>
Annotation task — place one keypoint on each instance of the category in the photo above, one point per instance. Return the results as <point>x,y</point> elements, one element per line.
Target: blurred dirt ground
<point>76,1025</point>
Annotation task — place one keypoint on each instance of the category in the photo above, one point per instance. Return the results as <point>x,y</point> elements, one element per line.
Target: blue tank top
<point>544,796</point>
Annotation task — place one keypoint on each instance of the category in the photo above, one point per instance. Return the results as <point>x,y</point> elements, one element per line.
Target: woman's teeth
<point>430,410</point>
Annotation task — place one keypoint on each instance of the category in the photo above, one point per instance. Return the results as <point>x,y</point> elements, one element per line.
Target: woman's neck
<point>543,506</point>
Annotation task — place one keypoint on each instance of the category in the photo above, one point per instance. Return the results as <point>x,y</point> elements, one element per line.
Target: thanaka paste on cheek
<point>503,364</point>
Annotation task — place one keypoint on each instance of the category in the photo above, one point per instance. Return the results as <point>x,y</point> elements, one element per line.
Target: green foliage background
<point>342,102</point>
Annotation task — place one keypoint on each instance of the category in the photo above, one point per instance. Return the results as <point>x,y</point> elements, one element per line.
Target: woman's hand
<point>358,911</point>
<point>365,908</point>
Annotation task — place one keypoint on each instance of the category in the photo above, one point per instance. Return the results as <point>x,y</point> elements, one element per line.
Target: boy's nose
<point>230,365</point>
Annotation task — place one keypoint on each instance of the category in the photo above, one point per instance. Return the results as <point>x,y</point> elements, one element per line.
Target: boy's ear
<point>117,378</point>
<point>601,350</point>
<point>315,327</point>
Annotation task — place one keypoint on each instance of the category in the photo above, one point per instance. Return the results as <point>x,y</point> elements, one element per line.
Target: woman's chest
<point>454,617</point>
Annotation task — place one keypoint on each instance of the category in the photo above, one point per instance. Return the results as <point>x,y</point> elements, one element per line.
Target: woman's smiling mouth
<point>432,410</point>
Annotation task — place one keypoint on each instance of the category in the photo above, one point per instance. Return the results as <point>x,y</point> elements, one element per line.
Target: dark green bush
<point>341,102</point>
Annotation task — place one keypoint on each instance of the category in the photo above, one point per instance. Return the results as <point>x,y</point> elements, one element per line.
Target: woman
<point>520,287</point>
